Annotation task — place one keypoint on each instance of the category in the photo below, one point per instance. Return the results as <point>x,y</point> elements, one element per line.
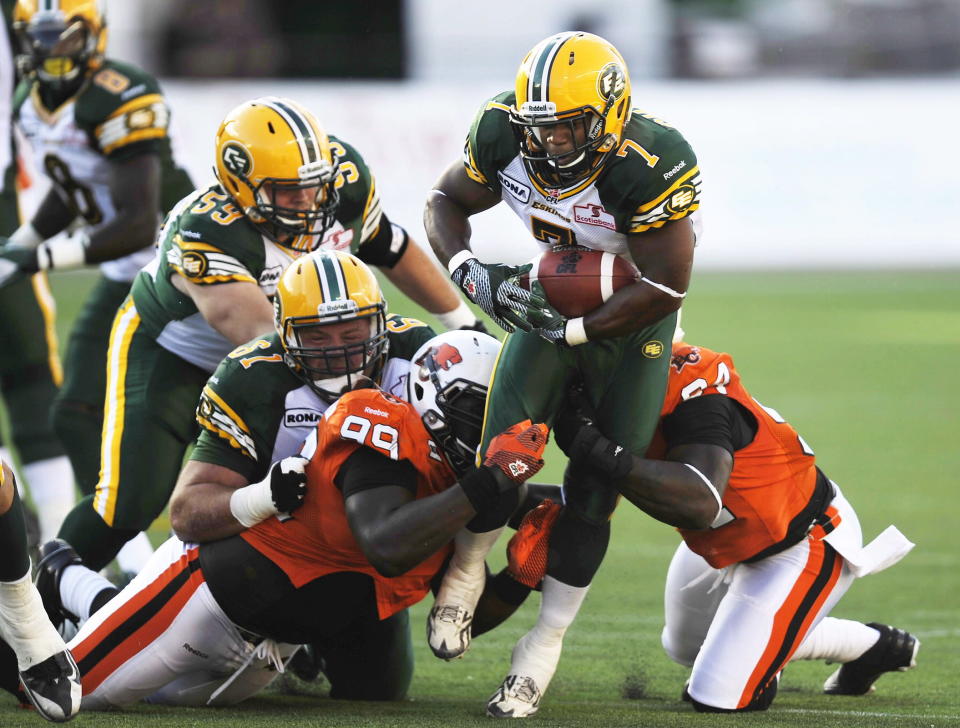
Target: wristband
<point>459,318</point>
<point>481,488</point>
<point>575,333</point>
<point>68,253</point>
<point>253,503</point>
<point>459,259</point>
<point>26,236</point>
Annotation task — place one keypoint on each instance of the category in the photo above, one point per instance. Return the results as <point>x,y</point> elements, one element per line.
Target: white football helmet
<point>449,377</point>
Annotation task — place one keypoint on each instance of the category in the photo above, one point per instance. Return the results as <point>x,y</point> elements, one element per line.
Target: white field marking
<point>865,714</point>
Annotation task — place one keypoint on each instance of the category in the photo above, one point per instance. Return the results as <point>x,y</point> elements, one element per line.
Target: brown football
<point>577,280</point>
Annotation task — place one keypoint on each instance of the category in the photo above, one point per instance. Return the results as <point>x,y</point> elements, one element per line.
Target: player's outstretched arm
<point>684,490</point>
<point>211,501</point>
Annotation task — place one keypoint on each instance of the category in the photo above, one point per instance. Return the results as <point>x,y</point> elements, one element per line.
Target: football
<point>577,280</point>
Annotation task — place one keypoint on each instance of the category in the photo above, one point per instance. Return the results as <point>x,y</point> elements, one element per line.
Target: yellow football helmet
<point>319,300</point>
<point>575,79</point>
<point>60,40</point>
<point>275,160</point>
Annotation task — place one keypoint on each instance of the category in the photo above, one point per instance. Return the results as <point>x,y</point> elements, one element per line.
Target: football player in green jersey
<point>30,371</point>
<point>283,188</point>
<point>266,397</point>
<point>98,130</point>
<point>568,153</point>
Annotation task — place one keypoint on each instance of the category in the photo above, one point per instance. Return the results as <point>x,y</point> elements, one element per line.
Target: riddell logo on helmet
<point>538,107</point>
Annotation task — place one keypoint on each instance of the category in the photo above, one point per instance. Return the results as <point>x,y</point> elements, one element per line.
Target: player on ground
<point>770,544</point>
<point>579,165</point>
<point>46,668</point>
<point>388,486</point>
<point>98,129</point>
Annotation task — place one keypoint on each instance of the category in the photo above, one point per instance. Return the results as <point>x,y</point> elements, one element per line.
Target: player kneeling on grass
<point>388,484</point>
<point>769,542</point>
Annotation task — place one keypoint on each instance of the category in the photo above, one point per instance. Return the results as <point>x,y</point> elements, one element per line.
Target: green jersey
<point>207,240</point>
<point>118,113</point>
<point>650,179</point>
<point>255,410</point>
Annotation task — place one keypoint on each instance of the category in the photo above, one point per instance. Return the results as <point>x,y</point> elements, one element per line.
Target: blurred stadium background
<point>829,266</point>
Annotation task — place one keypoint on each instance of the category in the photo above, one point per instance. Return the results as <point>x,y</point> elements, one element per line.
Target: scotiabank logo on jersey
<point>593,215</point>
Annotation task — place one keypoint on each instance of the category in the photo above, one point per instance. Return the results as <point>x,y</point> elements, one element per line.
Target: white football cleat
<point>53,687</point>
<point>517,697</point>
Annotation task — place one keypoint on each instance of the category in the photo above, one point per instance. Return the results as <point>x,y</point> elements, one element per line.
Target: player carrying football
<point>579,165</point>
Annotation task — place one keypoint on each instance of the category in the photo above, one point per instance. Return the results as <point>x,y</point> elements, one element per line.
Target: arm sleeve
<point>366,469</point>
<point>713,419</point>
<point>386,246</point>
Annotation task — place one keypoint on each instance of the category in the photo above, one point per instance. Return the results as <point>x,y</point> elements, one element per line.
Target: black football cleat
<point>55,556</point>
<point>53,686</point>
<point>895,650</point>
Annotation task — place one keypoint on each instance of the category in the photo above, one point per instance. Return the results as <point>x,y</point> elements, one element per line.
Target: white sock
<point>135,554</point>
<point>537,653</point>
<point>78,588</point>
<point>837,640</point>
<point>463,582</point>
<point>24,624</point>
<point>52,491</point>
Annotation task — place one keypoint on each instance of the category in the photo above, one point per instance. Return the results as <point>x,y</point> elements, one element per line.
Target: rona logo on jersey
<point>237,159</point>
<point>517,189</point>
<point>300,417</point>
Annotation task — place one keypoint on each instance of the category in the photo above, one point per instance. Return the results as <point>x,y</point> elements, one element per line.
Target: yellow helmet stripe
<point>538,84</point>
<point>299,125</point>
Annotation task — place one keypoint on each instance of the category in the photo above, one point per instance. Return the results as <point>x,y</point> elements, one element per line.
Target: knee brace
<point>576,549</point>
<point>590,494</point>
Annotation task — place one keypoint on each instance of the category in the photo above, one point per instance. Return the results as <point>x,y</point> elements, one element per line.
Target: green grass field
<point>865,366</point>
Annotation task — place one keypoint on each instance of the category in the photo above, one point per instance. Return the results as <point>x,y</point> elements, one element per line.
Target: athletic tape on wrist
<point>575,333</point>
<point>459,259</point>
<point>253,503</point>
<point>458,318</point>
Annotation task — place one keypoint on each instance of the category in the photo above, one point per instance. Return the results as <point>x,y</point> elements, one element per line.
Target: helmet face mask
<point>277,163</point>
<point>58,47</point>
<point>447,385</point>
<point>572,104</point>
<point>331,317</point>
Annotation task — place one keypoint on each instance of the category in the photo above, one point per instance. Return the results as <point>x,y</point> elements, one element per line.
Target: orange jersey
<point>317,540</point>
<point>774,477</point>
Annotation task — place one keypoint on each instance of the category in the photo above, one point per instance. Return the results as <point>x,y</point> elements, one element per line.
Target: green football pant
<point>29,366</point>
<point>78,409</point>
<point>625,380</point>
<point>148,423</point>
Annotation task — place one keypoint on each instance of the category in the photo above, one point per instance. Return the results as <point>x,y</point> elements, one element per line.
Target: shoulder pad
<point>490,143</point>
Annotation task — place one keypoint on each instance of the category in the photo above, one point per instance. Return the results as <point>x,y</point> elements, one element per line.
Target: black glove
<point>488,285</point>
<point>288,483</point>
<point>579,437</point>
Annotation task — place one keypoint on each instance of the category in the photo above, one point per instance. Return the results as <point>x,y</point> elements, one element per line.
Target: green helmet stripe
<point>536,86</point>
<point>334,287</point>
<point>309,149</point>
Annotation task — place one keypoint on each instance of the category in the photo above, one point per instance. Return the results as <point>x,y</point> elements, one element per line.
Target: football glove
<point>547,322</point>
<point>527,550</point>
<point>18,260</point>
<point>579,437</point>
<point>513,456</point>
<point>282,491</point>
<point>489,285</point>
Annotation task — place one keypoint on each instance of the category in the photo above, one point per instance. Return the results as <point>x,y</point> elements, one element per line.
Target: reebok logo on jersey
<point>677,168</point>
<point>617,450</point>
<point>594,215</point>
<point>515,188</point>
<point>196,652</point>
<point>189,234</point>
<point>372,411</point>
<point>518,468</point>
<point>300,417</point>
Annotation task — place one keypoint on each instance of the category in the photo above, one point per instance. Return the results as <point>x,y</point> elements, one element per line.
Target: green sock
<point>13,541</point>
<point>95,541</point>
